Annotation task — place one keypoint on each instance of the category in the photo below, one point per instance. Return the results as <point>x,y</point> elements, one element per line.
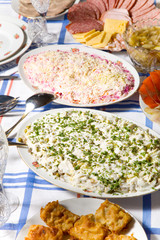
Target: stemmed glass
<point>8,202</point>
<point>38,27</point>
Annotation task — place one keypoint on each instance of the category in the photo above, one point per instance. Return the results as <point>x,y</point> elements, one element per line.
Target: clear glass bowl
<point>144,60</point>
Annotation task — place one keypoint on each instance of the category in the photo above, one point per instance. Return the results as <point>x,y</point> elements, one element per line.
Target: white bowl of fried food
<point>109,222</point>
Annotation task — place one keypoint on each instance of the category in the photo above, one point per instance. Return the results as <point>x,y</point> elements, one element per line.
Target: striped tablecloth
<point>32,190</point>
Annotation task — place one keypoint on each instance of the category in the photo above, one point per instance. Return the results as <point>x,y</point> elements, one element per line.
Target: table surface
<point>33,191</point>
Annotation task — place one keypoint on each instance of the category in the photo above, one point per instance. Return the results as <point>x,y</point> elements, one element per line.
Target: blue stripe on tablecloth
<point>26,201</point>
<point>149,123</point>
<point>147,214</point>
<point>63,30</point>
<point>4,87</point>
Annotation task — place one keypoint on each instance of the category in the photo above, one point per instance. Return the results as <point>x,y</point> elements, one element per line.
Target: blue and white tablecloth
<point>32,190</point>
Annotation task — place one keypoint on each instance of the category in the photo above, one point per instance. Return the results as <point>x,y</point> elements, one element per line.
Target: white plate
<point>83,206</point>
<point>11,39</point>
<point>28,159</point>
<point>15,7</point>
<point>152,114</point>
<point>91,51</point>
<point>27,42</point>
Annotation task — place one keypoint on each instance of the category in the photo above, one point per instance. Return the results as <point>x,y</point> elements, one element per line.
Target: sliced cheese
<point>106,39</point>
<point>115,26</point>
<point>90,36</point>
<point>97,39</point>
<point>80,40</point>
<point>83,35</point>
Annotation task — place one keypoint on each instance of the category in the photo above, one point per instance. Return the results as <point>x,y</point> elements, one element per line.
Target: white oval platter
<point>102,54</point>
<point>28,159</point>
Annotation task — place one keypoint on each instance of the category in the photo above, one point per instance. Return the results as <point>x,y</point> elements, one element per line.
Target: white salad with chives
<point>95,153</point>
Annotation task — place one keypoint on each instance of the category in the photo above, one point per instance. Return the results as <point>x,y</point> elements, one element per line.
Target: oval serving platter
<point>99,53</point>
<point>28,159</point>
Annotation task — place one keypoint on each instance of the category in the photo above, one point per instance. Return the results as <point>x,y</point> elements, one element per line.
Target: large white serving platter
<point>83,206</point>
<point>15,7</point>
<point>26,43</point>
<point>28,159</point>
<point>150,115</point>
<point>11,39</point>
<point>91,51</point>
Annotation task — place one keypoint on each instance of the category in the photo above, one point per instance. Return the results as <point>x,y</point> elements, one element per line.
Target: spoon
<point>33,102</point>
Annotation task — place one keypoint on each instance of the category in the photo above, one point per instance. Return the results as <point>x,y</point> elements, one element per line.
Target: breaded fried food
<point>114,217</point>
<point>55,215</point>
<point>119,237</point>
<point>39,232</point>
<point>86,228</point>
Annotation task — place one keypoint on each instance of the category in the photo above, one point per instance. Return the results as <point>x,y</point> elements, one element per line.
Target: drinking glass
<point>5,209</point>
<point>12,199</point>
<point>37,28</point>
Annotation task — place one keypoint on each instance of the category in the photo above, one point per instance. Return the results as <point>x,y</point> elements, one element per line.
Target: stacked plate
<point>57,8</point>
<point>14,39</point>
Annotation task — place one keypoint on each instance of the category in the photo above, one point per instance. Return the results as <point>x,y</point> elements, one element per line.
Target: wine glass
<point>5,209</point>
<point>37,27</point>
<point>13,200</point>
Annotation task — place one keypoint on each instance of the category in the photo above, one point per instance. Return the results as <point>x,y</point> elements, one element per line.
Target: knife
<point>9,77</point>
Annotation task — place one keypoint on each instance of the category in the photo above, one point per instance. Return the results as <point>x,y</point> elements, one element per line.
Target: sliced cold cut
<point>78,12</point>
<point>100,4</point>
<point>119,4</point>
<point>84,26</point>
<point>155,13</point>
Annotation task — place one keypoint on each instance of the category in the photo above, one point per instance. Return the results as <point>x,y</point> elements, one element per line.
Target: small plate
<point>83,206</point>
<point>15,7</point>
<point>26,43</point>
<point>151,114</point>
<point>11,39</point>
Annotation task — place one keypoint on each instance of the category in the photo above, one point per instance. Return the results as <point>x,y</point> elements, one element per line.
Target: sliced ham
<point>120,14</point>
<point>100,4</point>
<point>84,26</point>
<point>94,8</point>
<point>155,13</point>
<point>138,5</point>
<point>111,4</point>
<point>119,4</point>
<point>106,2</point>
<point>125,4</point>
<point>143,12</point>
<point>131,5</point>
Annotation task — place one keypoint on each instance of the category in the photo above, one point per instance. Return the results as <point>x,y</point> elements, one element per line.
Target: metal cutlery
<point>18,144</point>
<point>7,103</point>
<point>33,102</point>
<point>9,77</point>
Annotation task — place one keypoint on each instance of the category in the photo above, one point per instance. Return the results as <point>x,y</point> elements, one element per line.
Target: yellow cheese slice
<point>80,40</point>
<point>83,35</point>
<point>90,36</point>
<point>97,39</point>
<point>115,26</point>
<point>105,41</point>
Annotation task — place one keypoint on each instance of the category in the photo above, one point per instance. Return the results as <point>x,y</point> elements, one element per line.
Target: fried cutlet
<point>39,232</point>
<point>54,214</point>
<point>87,228</point>
<point>119,237</point>
<point>114,217</point>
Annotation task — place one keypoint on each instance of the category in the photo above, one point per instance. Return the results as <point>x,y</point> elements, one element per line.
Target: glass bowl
<point>145,58</point>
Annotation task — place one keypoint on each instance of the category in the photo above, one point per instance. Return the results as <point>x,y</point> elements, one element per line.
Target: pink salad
<point>78,77</point>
